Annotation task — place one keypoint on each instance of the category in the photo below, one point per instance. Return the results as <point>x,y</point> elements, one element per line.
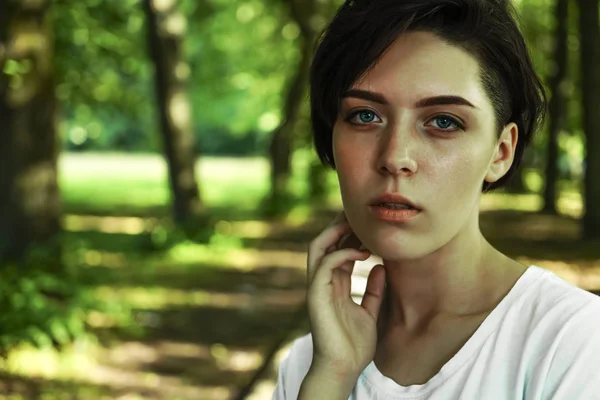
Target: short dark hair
<point>362,30</point>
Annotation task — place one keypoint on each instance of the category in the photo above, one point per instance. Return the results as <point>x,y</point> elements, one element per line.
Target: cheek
<point>351,160</point>
<point>459,173</point>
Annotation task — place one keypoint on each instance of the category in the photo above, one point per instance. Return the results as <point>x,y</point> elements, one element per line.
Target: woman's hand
<point>344,333</point>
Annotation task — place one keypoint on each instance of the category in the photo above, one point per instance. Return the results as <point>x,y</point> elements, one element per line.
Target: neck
<point>452,281</point>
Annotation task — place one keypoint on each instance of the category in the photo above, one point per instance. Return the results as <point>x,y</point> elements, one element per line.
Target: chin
<point>397,253</point>
<point>399,247</point>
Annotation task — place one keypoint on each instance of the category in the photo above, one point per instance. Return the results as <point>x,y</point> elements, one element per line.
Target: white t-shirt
<point>541,342</point>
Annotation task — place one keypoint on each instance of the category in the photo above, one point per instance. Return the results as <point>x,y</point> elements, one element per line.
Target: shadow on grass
<point>538,236</point>
<point>245,326</point>
<point>206,346</point>
<point>27,388</point>
<point>231,212</point>
<point>199,277</point>
<point>215,326</point>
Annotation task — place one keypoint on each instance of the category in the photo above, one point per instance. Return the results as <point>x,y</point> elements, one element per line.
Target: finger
<point>341,283</point>
<point>324,272</point>
<point>375,289</point>
<point>330,236</point>
<point>319,246</point>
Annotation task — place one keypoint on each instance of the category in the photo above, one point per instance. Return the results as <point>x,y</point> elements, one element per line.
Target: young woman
<point>420,105</point>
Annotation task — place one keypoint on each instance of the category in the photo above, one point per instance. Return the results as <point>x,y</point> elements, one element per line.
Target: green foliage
<point>537,23</point>
<point>241,58</point>
<point>103,76</point>
<point>240,54</point>
<point>47,305</point>
<point>39,307</point>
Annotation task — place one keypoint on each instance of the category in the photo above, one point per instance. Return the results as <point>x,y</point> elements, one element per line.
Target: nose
<point>397,156</point>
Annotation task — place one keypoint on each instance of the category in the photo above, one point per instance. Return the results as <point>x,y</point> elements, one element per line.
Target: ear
<point>504,153</point>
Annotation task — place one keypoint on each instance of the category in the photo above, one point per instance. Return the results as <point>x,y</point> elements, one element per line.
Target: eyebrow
<point>423,103</point>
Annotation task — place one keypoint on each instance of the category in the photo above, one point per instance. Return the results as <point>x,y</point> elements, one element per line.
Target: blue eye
<point>363,117</point>
<point>366,116</point>
<point>447,123</point>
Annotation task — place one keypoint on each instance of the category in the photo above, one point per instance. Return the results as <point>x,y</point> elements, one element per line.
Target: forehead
<point>420,64</point>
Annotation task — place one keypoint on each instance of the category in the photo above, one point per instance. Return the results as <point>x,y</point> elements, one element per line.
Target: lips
<point>394,201</point>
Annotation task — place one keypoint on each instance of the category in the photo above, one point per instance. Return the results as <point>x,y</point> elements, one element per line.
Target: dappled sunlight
<point>263,390</point>
<point>243,259</point>
<point>585,274</point>
<point>132,356</point>
<point>501,201</point>
<point>163,5</point>
<point>96,319</point>
<point>110,225</point>
<point>49,362</point>
<point>528,226</point>
<point>179,106</point>
<point>215,393</point>
<point>236,360</point>
<point>246,229</point>
<point>178,349</point>
<point>107,259</point>
<point>255,259</point>
<point>157,298</point>
<point>154,386</point>
<point>590,279</point>
<point>569,204</point>
<point>299,216</point>
<point>122,368</point>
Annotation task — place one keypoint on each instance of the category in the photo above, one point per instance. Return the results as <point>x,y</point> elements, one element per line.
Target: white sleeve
<point>293,369</point>
<point>279,393</point>
<point>575,369</point>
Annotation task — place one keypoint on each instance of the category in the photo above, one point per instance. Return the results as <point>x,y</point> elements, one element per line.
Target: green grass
<point>106,183</point>
<point>138,184</point>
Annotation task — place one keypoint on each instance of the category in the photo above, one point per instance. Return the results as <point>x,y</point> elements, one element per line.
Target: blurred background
<point>158,188</point>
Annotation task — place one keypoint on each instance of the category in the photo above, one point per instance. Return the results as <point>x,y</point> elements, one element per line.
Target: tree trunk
<point>589,26</point>
<point>282,139</point>
<point>165,29</point>
<point>29,200</point>
<point>558,104</point>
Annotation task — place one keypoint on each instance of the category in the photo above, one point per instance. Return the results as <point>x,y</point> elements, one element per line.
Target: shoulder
<point>567,320</point>
<point>574,356</point>
<point>551,295</point>
<point>560,308</point>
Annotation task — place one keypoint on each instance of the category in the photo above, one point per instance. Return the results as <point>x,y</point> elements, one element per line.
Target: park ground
<point>197,321</point>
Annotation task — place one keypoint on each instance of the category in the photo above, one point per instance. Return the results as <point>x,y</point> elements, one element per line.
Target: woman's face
<point>418,125</point>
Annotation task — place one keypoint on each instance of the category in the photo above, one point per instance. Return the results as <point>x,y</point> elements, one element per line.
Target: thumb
<point>375,290</point>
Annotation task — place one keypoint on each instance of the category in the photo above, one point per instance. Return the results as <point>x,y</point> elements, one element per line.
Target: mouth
<point>392,201</point>
<point>396,206</point>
